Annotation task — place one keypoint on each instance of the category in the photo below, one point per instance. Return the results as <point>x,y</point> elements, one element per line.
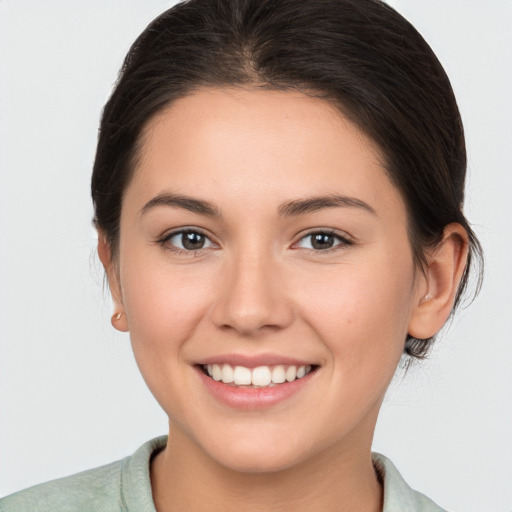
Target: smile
<point>245,382</point>
<point>259,377</point>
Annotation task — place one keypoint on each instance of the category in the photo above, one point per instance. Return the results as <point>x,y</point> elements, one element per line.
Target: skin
<point>259,287</point>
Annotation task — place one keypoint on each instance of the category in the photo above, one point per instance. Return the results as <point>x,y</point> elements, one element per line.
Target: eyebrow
<point>181,201</point>
<point>313,204</point>
<point>288,209</point>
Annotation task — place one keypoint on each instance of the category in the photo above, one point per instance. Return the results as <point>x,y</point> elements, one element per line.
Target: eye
<point>322,241</point>
<point>187,240</point>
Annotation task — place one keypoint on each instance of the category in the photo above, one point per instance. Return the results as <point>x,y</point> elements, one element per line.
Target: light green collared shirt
<point>124,486</point>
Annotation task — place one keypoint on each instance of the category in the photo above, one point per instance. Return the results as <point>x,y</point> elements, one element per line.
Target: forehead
<point>276,144</point>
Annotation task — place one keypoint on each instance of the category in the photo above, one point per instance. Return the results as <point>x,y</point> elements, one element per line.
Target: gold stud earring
<point>115,318</point>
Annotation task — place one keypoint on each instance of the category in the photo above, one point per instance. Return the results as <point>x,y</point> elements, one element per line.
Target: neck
<point>184,477</point>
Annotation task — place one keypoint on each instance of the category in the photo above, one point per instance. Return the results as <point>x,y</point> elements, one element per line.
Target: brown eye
<point>192,241</point>
<point>322,240</point>
<point>188,240</point>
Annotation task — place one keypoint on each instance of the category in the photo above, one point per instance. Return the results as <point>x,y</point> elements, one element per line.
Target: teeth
<point>278,375</point>
<point>216,372</point>
<point>242,376</point>
<point>291,373</point>
<point>227,374</point>
<point>262,376</point>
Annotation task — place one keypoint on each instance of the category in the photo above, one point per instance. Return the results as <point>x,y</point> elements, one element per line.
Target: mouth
<point>258,377</point>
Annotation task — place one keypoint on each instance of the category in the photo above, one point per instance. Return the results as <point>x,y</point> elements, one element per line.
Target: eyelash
<point>165,241</point>
<point>343,241</point>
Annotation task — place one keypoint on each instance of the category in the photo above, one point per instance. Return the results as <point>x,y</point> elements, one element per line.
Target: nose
<point>252,297</point>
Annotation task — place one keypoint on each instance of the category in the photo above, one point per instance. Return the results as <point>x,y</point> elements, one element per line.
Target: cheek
<point>361,316</point>
<point>164,307</point>
<point>163,304</point>
<point>362,311</point>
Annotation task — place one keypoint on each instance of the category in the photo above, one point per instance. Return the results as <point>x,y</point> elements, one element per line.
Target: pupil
<point>192,241</point>
<point>322,241</point>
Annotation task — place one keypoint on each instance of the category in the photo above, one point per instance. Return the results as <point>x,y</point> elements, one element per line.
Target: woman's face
<point>261,237</point>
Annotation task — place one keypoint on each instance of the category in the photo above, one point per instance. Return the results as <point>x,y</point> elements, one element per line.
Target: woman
<point>278,190</point>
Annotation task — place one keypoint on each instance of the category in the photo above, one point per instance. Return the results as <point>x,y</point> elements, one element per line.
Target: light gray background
<point>70,394</point>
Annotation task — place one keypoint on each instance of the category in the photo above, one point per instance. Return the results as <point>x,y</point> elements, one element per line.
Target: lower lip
<point>253,398</point>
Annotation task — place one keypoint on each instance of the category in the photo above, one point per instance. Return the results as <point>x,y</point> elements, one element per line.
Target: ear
<point>119,319</point>
<point>436,296</point>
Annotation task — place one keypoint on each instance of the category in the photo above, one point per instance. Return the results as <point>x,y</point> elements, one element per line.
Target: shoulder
<point>398,496</point>
<point>96,489</point>
<point>122,486</point>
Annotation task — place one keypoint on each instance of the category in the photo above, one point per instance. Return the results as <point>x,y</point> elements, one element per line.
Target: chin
<point>260,463</point>
<point>263,454</point>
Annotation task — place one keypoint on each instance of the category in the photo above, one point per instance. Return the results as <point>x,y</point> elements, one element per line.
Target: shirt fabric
<point>125,486</point>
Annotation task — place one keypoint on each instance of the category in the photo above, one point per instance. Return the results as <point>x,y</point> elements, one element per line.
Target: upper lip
<point>253,361</point>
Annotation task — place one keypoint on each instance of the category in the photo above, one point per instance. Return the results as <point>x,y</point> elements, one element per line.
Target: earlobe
<point>444,271</point>
<point>119,320</point>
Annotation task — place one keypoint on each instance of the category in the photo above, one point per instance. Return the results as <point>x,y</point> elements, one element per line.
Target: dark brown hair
<point>360,55</point>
